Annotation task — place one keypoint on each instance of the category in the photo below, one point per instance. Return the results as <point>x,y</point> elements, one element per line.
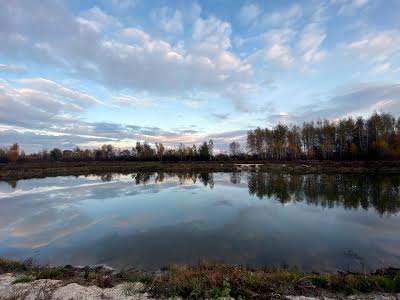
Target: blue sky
<point>85,73</point>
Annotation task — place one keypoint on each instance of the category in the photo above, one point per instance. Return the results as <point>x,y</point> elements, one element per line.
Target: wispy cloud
<point>123,101</point>
<point>12,68</point>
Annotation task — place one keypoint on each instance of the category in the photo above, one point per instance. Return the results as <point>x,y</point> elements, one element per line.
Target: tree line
<point>377,137</point>
<point>141,152</point>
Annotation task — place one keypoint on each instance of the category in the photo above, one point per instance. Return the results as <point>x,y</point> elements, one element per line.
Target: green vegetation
<point>51,273</point>
<point>217,280</point>
<point>24,279</point>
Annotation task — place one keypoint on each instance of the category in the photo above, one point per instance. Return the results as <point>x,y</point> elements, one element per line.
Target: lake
<point>318,223</point>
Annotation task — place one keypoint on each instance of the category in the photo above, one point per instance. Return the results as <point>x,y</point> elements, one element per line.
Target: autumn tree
<point>14,152</point>
<point>294,142</point>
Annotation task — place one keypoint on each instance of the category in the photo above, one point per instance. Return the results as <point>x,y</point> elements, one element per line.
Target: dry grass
<point>206,281</point>
<point>8,266</point>
<point>219,280</point>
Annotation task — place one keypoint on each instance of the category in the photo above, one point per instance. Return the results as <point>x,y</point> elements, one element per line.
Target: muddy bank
<point>25,170</point>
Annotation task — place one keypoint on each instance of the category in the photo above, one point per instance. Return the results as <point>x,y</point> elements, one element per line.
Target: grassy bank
<point>25,170</point>
<point>217,280</point>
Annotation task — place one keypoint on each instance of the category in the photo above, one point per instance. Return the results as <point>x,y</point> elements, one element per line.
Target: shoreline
<point>27,170</point>
<point>202,281</point>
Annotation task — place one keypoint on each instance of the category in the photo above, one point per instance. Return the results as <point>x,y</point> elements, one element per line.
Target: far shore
<point>26,170</point>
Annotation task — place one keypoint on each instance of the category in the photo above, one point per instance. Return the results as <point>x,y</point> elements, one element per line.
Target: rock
<point>58,290</point>
<point>76,291</point>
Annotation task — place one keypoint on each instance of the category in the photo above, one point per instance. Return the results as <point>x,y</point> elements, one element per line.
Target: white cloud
<point>377,42</point>
<point>47,102</point>
<point>12,68</point>
<point>280,54</point>
<point>131,101</point>
<point>377,48</point>
<point>97,20</point>
<point>131,35</point>
<point>211,35</point>
<point>44,114</point>
<point>359,3</point>
<point>382,68</point>
<point>249,13</point>
<point>350,7</point>
<point>168,19</point>
<point>32,108</point>
<point>291,45</point>
<point>133,61</point>
<point>311,39</point>
<point>283,17</point>
<point>228,62</point>
<point>124,58</point>
<point>56,89</point>
<point>278,47</point>
<point>310,43</point>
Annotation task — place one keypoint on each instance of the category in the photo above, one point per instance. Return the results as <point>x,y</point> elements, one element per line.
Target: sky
<point>88,73</point>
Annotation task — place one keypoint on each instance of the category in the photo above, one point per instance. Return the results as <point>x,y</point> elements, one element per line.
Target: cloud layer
<point>122,71</point>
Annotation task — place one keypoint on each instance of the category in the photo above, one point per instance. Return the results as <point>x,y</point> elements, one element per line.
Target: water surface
<point>314,222</point>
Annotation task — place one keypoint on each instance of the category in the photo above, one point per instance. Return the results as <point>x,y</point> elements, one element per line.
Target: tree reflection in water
<point>349,191</point>
<point>325,190</point>
<point>381,192</point>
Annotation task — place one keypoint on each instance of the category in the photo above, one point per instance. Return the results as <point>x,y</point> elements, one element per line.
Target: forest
<point>374,138</point>
<point>377,137</point>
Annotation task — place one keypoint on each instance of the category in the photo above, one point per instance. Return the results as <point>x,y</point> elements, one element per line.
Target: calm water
<point>314,222</point>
